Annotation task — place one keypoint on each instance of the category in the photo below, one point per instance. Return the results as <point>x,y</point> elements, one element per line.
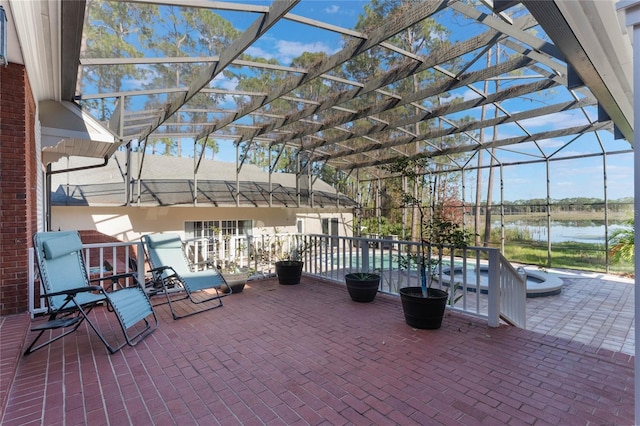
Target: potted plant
<point>422,305</point>
<point>235,276</point>
<point>289,267</point>
<point>362,286</point>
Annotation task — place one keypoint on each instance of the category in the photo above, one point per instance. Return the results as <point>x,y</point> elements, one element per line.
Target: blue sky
<point>288,40</point>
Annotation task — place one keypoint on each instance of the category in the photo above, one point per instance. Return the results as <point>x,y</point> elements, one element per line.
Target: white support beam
<point>630,11</point>
<point>595,48</point>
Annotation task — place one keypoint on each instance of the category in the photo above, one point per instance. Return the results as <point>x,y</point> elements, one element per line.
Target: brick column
<point>18,186</point>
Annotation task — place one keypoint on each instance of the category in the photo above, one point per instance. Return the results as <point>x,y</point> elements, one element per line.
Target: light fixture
<point>3,36</point>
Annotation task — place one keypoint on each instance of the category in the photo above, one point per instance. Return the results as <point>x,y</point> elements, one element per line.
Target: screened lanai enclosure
<point>509,114</point>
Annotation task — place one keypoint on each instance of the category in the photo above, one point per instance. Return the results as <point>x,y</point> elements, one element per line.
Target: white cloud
<point>332,9</point>
<point>470,94</point>
<point>620,169</point>
<point>287,50</point>
<point>259,53</point>
<point>548,144</point>
<point>559,120</point>
<point>135,84</point>
<point>223,82</point>
<point>284,51</point>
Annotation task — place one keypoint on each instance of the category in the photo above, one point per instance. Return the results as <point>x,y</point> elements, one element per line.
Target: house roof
<point>169,181</point>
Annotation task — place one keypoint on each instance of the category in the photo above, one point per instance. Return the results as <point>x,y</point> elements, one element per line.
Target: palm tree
<point>623,243</point>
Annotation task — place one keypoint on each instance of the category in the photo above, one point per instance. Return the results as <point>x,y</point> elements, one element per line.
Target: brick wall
<point>18,186</point>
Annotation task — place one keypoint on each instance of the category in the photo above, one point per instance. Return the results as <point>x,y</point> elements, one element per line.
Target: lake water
<point>583,231</point>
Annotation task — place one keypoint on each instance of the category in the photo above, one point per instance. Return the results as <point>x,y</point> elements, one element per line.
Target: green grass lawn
<point>569,255</point>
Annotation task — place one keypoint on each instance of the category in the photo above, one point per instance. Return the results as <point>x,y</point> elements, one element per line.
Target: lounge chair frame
<point>173,272</point>
<point>72,297</point>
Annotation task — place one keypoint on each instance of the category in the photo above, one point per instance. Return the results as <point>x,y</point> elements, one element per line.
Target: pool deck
<point>593,308</point>
<point>308,355</point>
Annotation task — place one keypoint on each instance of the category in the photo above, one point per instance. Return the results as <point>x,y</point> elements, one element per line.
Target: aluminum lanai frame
<point>552,46</point>
<point>577,44</point>
<point>573,48</point>
<point>378,140</point>
<point>594,53</point>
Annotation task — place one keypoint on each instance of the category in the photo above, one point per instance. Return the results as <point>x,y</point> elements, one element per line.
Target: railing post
<point>364,254</point>
<point>494,288</point>
<point>255,256</point>
<point>140,259</point>
<point>32,282</point>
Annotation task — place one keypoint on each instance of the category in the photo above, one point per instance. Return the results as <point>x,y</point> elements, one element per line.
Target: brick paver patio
<point>307,354</point>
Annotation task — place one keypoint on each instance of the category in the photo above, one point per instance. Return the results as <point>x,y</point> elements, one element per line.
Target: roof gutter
<point>47,181</point>
<point>75,169</point>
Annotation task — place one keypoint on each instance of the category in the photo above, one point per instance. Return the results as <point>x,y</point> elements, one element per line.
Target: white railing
<point>258,254</point>
<point>104,259</point>
<point>513,294</point>
<point>227,253</point>
<point>479,280</point>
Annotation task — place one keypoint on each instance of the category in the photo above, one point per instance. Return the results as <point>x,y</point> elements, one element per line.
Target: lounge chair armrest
<point>157,272</point>
<point>161,269</point>
<point>117,277</point>
<point>73,291</point>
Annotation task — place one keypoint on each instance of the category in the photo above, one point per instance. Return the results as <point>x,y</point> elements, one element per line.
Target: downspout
<point>47,207</point>
<point>548,207</point>
<point>270,180</point>
<point>128,187</point>
<point>196,167</point>
<point>47,180</point>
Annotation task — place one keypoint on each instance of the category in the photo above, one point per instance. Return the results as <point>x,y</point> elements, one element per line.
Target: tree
<point>113,33</point>
<point>260,80</point>
<point>420,39</point>
<point>623,241</point>
<point>184,32</point>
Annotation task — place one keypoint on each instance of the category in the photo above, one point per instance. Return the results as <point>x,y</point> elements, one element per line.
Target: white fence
<point>479,280</point>
<point>513,290</point>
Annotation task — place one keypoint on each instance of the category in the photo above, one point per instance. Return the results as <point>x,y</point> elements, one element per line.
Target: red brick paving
<point>307,354</point>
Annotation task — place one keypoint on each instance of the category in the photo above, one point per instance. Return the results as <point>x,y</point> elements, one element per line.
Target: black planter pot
<point>362,289</point>
<point>423,312</point>
<point>234,281</point>
<point>289,271</point>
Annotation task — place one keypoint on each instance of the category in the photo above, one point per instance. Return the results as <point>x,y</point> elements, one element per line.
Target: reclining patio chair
<point>71,295</point>
<point>173,271</point>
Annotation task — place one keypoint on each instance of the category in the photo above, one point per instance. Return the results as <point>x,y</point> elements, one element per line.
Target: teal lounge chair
<point>173,271</point>
<point>71,295</point>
